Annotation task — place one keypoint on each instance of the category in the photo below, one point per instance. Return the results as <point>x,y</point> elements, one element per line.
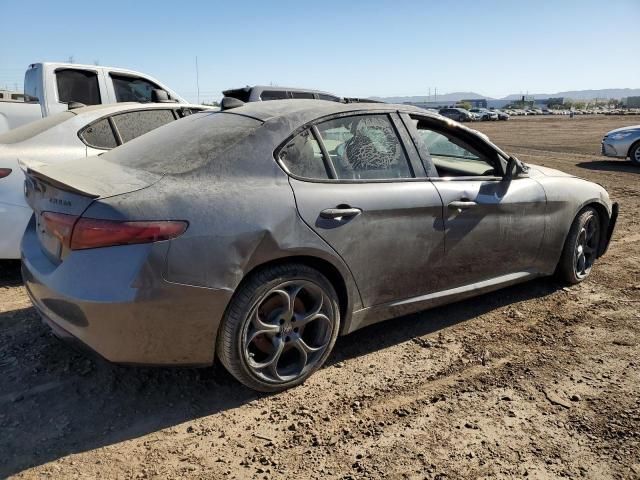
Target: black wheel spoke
<point>586,247</point>
<point>290,329</point>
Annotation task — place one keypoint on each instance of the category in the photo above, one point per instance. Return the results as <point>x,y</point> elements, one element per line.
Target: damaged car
<point>258,234</point>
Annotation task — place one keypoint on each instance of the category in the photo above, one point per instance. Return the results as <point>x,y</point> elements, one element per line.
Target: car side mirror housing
<point>160,96</point>
<point>513,169</point>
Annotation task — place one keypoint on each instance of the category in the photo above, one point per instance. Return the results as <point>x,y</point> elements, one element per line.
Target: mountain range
<point>604,93</point>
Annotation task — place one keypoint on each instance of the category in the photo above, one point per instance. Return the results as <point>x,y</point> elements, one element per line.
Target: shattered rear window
<point>186,144</point>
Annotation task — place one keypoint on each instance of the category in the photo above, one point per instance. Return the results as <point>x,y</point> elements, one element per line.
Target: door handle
<point>338,213</point>
<point>462,204</point>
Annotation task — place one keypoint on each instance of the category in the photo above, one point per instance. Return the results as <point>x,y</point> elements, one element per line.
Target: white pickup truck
<point>56,87</point>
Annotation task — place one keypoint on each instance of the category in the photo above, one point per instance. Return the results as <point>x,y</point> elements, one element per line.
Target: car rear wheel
<point>634,153</point>
<point>280,327</point>
<point>581,247</point>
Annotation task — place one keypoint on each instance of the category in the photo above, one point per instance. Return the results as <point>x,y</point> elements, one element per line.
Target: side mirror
<point>73,105</point>
<point>513,169</point>
<point>160,96</point>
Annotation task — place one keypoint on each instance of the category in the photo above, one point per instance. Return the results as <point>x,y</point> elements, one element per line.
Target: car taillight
<point>4,172</point>
<point>59,225</point>
<point>79,233</point>
<point>94,233</point>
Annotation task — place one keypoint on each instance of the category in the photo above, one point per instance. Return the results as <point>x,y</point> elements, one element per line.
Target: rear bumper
<point>115,302</point>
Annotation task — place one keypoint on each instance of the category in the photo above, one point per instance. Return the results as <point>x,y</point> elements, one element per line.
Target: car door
<point>493,226</point>
<point>354,184</point>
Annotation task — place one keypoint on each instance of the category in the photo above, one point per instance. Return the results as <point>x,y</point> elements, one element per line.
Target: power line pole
<point>197,79</point>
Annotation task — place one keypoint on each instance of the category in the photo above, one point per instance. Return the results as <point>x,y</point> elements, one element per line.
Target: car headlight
<point>620,135</point>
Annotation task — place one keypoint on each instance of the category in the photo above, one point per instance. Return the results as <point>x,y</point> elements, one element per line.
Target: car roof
<point>261,88</point>
<point>309,110</point>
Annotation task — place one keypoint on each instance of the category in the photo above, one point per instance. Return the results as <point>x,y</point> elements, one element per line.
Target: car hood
<point>624,129</point>
<point>540,171</point>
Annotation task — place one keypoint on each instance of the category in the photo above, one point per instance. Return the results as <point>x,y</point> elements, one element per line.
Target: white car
<point>69,135</point>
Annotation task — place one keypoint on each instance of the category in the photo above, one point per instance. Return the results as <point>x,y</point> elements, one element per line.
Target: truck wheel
<point>280,327</point>
<point>580,248</point>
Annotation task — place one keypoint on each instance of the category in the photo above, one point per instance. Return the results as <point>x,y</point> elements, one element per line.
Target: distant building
<point>498,103</point>
<point>631,102</point>
<point>9,95</point>
<point>434,105</point>
<point>555,101</point>
<point>476,102</point>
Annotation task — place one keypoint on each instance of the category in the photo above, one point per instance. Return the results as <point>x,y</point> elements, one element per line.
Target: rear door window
<point>99,135</point>
<point>132,89</point>
<point>274,95</point>
<point>302,95</point>
<point>131,125</point>
<point>78,86</point>
<point>329,98</point>
<point>365,147</point>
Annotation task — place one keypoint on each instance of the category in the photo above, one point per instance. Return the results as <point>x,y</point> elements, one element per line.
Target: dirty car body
<point>381,200</point>
<point>77,133</point>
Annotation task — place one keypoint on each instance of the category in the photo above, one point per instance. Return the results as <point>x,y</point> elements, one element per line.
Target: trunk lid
<point>69,188</point>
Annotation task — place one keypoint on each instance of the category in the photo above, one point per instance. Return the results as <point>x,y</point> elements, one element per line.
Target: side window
<point>302,157</point>
<point>302,95</point>
<point>452,156</point>
<point>365,147</point>
<point>273,95</point>
<point>78,86</point>
<point>133,124</point>
<point>132,89</point>
<point>99,135</point>
<point>329,98</point>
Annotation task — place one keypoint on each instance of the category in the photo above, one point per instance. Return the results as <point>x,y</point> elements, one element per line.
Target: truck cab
<point>51,88</point>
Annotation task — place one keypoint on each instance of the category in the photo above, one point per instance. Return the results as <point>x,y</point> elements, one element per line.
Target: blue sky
<point>352,48</point>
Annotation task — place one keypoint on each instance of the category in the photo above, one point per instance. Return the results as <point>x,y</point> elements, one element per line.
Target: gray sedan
<point>622,143</point>
<point>259,234</point>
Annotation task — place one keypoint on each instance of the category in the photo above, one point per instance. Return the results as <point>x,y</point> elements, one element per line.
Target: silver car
<point>622,143</point>
<point>259,234</point>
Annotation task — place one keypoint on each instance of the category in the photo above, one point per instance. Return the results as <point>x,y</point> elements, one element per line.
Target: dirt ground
<point>536,380</point>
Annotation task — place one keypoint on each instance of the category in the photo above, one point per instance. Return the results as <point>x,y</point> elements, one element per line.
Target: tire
<point>581,247</point>
<point>280,327</point>
<point>634,154</point>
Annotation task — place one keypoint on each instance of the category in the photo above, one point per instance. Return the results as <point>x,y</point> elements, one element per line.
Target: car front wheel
<point>634,154</point>
<point>581,247</point>
<point>280,327</point>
